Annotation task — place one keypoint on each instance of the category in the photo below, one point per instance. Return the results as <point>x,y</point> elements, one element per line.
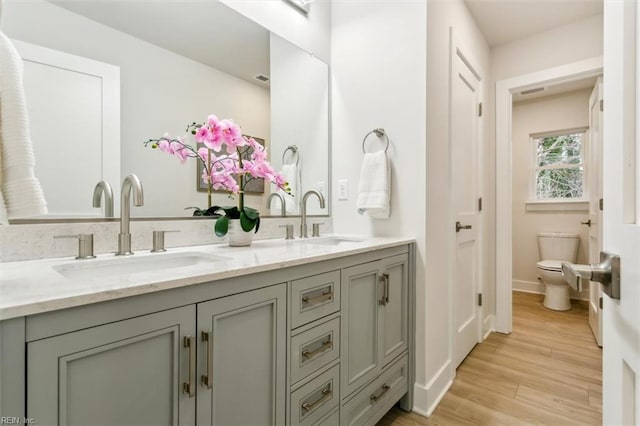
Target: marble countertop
<point>37,286</point>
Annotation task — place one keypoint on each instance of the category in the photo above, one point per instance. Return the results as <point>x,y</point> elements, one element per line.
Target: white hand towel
<point>291,173</point>
<point>374,188</point>
<point>20,191</point>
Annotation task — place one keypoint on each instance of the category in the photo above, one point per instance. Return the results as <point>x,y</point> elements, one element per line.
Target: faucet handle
<point>288,231</point>
<point>158,240</point>
<point>315,229</point>
<point>85,244</point>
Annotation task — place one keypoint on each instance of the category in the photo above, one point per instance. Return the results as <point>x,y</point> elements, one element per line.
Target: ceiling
<point>205,31</point>
<point>503,21</point>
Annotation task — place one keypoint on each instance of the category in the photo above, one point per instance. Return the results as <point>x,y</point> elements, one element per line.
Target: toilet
<point>556,248</point>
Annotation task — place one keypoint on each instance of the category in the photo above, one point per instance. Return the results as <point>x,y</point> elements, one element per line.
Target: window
<point>559,166</point>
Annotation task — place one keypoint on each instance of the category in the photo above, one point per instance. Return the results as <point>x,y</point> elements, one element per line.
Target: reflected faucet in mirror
<point>283,203</point>
<point>101,188</point>
<point>131,182</point>
<point>303,210</point>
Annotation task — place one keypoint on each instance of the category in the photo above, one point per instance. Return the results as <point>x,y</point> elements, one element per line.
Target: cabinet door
<point>242,358</point>
<point>361,342</point>
<point>395,308</point>
<point>125,373</point>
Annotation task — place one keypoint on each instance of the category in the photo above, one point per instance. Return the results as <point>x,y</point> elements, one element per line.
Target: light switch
<point>343,189</point>
<point>321,187</point>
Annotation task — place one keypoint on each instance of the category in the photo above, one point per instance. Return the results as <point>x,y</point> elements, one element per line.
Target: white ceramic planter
<point>236,236</point>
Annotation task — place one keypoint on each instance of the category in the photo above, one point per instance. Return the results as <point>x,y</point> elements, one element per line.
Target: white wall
<point>160,92</point>
<point>559,112</point>
<point>311,32</point>
<point>442,15</point>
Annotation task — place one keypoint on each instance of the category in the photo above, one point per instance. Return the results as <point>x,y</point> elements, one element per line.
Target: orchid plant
<point>226,154</point>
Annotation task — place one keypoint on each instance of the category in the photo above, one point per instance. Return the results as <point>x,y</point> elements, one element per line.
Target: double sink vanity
<point>315,331</point>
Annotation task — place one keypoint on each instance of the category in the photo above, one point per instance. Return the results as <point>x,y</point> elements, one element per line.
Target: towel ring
<point>379,133</point>
<point>294,151</point>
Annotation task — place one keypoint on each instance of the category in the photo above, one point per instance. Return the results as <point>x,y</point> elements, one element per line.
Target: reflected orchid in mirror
<point>226,154</point>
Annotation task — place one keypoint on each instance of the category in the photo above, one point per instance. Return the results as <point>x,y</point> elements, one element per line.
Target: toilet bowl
<point>556,248</point>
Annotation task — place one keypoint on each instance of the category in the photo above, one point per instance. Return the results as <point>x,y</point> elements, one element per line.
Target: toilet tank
<point>558,246</point>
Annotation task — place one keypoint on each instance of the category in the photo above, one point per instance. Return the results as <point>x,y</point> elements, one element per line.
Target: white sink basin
<point>134,264</point>
<point>329,241</point>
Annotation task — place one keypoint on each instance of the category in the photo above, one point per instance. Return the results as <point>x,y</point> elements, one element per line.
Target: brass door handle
<point>376,396</point>
<point>460,226</point>
<point>327,394</point>
<point>385,294</point>
<point>588,223</point>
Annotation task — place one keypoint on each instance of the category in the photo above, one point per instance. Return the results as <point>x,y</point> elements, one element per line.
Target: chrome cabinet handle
<point>326,295</point>
<point>188,386</point>
<point>327,344</point>
<point>460,226</point>
<point>327,394</point>
<point>376,396</point>
<point>207,379</point>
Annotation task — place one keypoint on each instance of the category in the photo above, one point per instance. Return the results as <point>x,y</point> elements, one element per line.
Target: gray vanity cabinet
<point>374,319</point>
<point>128,372</point>
<point>242,358</point>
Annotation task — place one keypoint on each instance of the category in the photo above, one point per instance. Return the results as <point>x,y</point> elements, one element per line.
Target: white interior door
<point>595,211</point>
<point>621,216</point>
<point>465,102</point>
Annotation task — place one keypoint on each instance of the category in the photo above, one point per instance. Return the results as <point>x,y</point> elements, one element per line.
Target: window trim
<point>558,203</point>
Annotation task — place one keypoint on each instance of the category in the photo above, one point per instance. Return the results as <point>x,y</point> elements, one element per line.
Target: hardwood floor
<point>547,371</point>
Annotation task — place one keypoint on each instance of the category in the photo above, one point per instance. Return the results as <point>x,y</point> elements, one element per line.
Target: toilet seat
<point>550,265</point>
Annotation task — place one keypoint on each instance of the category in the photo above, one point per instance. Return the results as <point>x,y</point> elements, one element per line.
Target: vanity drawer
<point>315,348</point>
<point>378,397</point>
<point>332,419</point>
<point>314,297</point>
<point>311,402</point>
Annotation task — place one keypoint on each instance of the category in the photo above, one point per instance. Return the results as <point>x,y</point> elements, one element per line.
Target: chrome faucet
<point>282,202</point>
<point>303,210</point>
<point>124,237</point>
<point>103,187</point>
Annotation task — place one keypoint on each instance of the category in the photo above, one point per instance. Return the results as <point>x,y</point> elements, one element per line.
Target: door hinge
<point>601,204</point>
<point>601,104</point>
<point>480,204</point>
<point>600,302</point>
<point>479,299</point>
<point>480,109</point>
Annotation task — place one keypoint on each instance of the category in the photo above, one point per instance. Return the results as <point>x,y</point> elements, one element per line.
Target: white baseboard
<point>527,286</point>
<point>538,288</point>
<point>426,398</point>
<point>488,326</point>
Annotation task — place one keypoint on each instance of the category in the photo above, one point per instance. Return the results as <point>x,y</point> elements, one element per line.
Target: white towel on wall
<point>20,191</point>
<point>291,173</point>
<point>374,187</point>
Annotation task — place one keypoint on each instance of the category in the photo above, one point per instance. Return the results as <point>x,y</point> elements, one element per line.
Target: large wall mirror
<point>102,77</point>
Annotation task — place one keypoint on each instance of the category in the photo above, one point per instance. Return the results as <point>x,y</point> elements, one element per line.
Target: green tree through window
<point>559,170</point>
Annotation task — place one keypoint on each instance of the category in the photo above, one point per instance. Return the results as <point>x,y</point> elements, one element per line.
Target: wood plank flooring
<point>548,371</point>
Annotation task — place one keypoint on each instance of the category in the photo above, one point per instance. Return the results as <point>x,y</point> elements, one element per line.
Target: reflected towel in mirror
<point>291,173</point>
<point>20,191</point>
<point>374,187</point>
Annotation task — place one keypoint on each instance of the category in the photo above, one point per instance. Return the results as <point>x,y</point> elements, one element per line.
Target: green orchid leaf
<point>257,223</point>
<point>222,226</point>
<point>246,222</point>
<point>252,213</point>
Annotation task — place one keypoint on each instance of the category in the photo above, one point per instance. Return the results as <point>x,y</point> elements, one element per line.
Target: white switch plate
<point>322,186</point>
<point>343,189</point>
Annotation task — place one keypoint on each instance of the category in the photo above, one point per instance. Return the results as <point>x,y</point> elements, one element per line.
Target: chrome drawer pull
<point>327,394</point>
<point>326,345</point>
<point>188,386</point>
<point>207,379</point>
<point>326,295</point>
<point>383,390</point>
